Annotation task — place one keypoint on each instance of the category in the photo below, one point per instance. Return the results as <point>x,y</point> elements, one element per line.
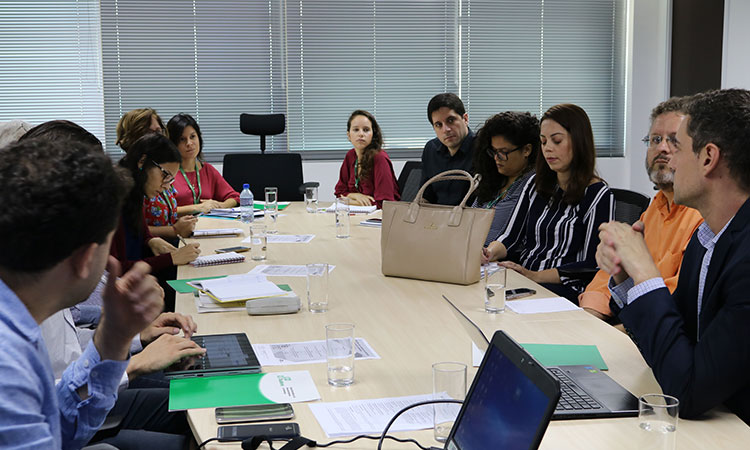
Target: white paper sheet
<point>208,232</point>
<point>371,416</point>
<point>308,352</point>
<point>541,305</point>
<point>355,209</point>
<point>239,287</point>
<point>205,304</point>
<point>283,270</point>
<point>286,238</point>
<point>476,355</point>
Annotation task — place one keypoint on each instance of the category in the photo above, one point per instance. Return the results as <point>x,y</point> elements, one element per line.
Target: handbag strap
<point>455,217</point>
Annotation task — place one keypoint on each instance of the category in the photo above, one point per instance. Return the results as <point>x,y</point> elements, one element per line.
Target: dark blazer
<point>716,369</point>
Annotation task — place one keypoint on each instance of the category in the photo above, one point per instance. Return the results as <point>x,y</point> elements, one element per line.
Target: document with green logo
<point>246,389</point>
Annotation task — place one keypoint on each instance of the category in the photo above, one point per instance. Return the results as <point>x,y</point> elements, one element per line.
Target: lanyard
<point>170,209</point>
<point>196,199</point>
<point>356,174</point>
<point>500,196</point>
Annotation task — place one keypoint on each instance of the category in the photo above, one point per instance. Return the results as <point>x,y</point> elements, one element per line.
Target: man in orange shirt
<point>668,226</point>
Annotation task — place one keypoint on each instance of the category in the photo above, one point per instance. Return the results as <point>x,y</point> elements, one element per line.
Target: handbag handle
<point>455,217</point>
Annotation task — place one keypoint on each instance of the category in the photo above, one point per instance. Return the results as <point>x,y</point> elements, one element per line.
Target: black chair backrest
<point>262,125</point>
<point>281,170</point>
<point>410,180</point>
<point>629,205</point>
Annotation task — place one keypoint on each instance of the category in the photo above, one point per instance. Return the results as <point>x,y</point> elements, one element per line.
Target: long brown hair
<point>368,154</point>
<point>582,167</point>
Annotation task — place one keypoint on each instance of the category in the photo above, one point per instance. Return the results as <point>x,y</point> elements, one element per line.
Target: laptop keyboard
<point>572,397</point>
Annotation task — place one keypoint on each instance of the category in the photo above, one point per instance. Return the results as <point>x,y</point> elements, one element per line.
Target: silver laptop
<point>586,392</point>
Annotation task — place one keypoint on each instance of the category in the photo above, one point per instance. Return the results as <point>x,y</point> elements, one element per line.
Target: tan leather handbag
<point>435,242</point>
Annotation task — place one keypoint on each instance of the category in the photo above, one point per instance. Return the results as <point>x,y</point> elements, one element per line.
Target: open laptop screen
<point>508,406</point>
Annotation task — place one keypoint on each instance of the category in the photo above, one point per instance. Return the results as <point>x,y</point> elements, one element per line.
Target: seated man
<point>60,208</point>
<point>696,340</point>
<point>668,226</point>
<point>450,150</point>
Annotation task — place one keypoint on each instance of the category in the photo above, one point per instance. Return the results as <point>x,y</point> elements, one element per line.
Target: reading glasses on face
<point>655,140</point>
<point>500,154</point>
<point>166,176</point>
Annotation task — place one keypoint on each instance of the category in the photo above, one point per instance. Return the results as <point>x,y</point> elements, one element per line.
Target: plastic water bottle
<point>246,204</point>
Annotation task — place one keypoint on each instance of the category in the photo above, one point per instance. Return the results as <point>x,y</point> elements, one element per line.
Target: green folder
<point>566,355</point>
<point>183,287</point>
<point>212,392</point>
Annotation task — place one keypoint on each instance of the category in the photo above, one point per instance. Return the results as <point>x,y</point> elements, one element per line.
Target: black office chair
<point>629,205</point>
<point>262,125</point>
<point>410,180</point>
<point>281,170</point>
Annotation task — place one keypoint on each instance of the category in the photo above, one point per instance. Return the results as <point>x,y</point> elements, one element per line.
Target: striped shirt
<point>545,233</point>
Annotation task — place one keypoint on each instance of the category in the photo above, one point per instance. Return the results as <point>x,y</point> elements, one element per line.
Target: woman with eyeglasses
<point>200,187</point>
<point>152,161</point>
<point>553,231</point>
<point>160,211</point>
<point>504,153</point>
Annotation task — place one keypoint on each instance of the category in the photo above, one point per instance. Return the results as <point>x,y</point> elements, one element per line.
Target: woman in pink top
<point>366,176</point>
<point>200,187</point>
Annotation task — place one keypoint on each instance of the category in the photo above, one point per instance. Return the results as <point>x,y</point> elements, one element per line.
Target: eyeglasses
<point>167,177</point>
<point>502,155</point>
<point>655,140</point>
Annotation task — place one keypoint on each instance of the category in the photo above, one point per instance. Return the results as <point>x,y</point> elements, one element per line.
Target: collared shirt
<point>667,232</point>
<point>34,412</point>
<point>436,158</point>
<point>626,292</point>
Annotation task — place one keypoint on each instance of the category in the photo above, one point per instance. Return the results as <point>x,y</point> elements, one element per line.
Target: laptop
<point>586,392</point>
<point>509,404</point>
<point>226,354</point>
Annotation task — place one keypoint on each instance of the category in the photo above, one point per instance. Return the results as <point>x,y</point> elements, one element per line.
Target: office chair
<point>410,180</point>
<point>262,125</point>
<point>629,205</point>
<point>281,170</point>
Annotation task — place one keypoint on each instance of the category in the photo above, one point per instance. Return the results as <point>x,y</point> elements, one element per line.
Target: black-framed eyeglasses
<point>502,155</point>
<point>166,176</point>
<point>655,140</point>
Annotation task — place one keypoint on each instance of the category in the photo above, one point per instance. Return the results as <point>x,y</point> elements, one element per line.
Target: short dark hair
<point>177,125</point>
<point>447,100</point>
<point>673,104</point>
<point>55,130</point>
<point>520,129</point>
<point>722,117</point>
<point>153,148</point>
<point>583,166</point>
<point>57,196</point>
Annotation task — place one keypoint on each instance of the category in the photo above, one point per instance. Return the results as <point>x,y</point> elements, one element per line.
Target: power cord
<point>403,410</point>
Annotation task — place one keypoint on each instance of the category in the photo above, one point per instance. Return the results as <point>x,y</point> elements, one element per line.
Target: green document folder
<point>566,355</point>
<point>212,392</point>
<point>183,287</point>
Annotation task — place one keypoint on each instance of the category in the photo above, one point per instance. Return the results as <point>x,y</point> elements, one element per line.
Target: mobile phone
<point>518,293</point>
<point>254,413</point>
<point>272,430</point>
<point>238,249</point>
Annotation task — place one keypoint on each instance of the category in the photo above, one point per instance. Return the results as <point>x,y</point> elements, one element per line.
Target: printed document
<point>307,352</point>
<point>541,305</point>
<point>283,270</point>
<point>285,238</point>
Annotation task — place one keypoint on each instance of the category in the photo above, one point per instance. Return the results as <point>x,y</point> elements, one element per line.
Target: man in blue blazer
<point>697,341</point>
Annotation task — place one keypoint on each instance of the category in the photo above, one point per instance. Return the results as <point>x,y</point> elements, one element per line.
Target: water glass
<point>494,288</point>
<point>317,287</point>
<point>258,241</point>
<point>311,199</point>
<point>340,353</point>
<point>271,210</point>
<point>342,218</point>
<point>448,382</point>
<point>657,421</point>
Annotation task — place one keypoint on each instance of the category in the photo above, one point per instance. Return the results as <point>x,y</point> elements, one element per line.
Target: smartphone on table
<point>238,249</point>
<point>254,413</point>
<point>514,294</point>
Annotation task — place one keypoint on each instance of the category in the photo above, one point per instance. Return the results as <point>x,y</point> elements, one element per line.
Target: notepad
<point>217,232</point>
<point>220,258</point>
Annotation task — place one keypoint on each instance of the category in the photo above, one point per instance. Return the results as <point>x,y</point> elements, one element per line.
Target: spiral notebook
<point>220,258</point>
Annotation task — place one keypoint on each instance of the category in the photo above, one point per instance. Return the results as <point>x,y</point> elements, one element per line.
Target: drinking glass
<point>258,241</point>
<point>271,210</point>
<point>448,382</point>
<point>494,288</point>
<point>311,199</point>
<point>342,218</point>
<point>657,421</point>
<point>340,353</point>
<point>317,287</point>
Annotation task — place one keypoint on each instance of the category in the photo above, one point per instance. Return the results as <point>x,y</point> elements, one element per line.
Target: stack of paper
<point>355,209</point>
<point>231,213</point>
<point>217,232</point>
<point>236,288</point>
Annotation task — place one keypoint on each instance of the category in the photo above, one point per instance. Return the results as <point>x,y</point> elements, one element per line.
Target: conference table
<point>411,327</point>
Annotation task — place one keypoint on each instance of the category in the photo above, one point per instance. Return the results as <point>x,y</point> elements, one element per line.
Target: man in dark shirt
<point>451,149</point>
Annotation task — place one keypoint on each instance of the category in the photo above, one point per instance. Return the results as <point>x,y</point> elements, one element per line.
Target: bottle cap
<point>245,186</point>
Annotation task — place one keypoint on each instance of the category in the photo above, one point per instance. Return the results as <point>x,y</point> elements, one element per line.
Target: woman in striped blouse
<point>555,223</point>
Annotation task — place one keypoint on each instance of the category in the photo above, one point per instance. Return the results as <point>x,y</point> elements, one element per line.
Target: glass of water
<point>494,288</point>
<point>340,353</point>
<point>271,210</point>
<point>317,287</point>
<point>657,421</point>
<point>258,241</point>
<point>342,218</point>
<point>311,199</point>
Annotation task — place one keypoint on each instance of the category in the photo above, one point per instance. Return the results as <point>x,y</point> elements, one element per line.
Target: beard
<point>659,174</point>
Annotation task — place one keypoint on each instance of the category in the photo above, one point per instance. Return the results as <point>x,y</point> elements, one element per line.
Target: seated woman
<point>554,226</point>
<point>160,211</point>
<point>200,187</point>
<point>152,161</point>
<point>366,176</point>
<point>504,153</point>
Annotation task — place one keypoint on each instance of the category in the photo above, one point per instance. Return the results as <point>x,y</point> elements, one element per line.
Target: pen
<point>181,240</point>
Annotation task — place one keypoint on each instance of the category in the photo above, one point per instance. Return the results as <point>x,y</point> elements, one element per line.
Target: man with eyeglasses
<point>668,226</point>
<point>450,150</point>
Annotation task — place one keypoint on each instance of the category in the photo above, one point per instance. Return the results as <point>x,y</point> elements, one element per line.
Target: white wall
<point>735,56</point>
